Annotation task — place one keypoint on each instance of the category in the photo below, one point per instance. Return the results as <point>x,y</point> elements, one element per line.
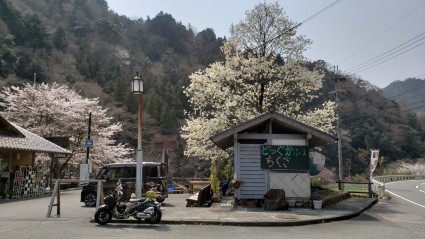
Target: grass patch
<point>323,194</point>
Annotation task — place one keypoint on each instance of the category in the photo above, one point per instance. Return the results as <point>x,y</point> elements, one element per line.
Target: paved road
<point>410,191</point>
<point>27,219</point>
<point>406,209</point>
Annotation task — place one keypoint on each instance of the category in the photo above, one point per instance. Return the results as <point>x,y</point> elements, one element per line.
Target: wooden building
<point>18,147</point>
<point>271,151</point>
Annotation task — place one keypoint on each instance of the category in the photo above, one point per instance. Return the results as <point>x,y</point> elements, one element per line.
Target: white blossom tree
<point>57,110</point>
<point>263,65</point>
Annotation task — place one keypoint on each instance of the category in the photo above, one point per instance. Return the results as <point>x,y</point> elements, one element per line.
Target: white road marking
<point>420,205</point>
<point>419,189</point>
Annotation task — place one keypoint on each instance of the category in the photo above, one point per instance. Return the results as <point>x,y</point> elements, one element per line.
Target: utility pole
<point>88,139</point>
<point>337,80</point>
<point>85,169</point>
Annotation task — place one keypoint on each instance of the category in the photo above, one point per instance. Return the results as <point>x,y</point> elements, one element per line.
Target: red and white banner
<point>374,158</point>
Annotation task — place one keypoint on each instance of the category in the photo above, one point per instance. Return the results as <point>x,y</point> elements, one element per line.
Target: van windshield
<point>120,172</point>
<point>101,173</point>
<point>150,171</point>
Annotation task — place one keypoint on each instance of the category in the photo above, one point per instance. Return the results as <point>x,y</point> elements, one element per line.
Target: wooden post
<point>99,198</point>
<point>52,199</point>
<point>58,199</point>
<point>369,188</point>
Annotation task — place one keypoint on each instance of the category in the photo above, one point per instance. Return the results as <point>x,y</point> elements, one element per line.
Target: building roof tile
<point>15,137</point>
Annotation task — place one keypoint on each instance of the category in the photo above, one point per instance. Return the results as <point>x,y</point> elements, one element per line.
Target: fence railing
<point>376,185</point>
<point>393,178</point>
<point>379,182</point>
<point>356,187</point>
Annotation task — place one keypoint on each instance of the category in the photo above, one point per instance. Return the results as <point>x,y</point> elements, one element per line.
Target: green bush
<point>215,181</point>
<point>390,171</point>
<point>319,184</point>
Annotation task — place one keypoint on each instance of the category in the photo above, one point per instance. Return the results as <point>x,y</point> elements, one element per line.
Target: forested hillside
<point>84,44</point>
<point>98,52</point>
<point>409,94</point>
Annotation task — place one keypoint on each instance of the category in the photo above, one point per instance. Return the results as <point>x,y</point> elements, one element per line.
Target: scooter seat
<point>138,199</point>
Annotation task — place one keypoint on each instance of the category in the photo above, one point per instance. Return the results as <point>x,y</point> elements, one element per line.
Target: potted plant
<point>317,189</point>
<point>317,203</point>
<point>316,199</point>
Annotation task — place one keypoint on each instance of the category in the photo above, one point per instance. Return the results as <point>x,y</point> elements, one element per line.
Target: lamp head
<point>137,84</point>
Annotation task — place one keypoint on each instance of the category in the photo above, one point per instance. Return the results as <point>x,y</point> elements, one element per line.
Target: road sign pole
<point>88,148</point>
<point>88,138</point>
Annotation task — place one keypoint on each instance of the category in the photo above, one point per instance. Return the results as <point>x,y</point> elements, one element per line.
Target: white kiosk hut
<point>271,151</point>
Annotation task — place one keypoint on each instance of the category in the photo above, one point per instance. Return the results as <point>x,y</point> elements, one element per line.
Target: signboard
<point>89,143</point>
<point>284,157</point>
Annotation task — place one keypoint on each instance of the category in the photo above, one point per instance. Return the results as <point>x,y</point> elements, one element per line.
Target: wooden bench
<point>200,198</point>
<point>196,186</point>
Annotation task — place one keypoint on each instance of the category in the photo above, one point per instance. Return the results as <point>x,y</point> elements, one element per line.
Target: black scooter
<point>140,208</point>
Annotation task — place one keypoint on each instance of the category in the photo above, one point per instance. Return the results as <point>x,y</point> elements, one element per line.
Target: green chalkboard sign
<point>284,157</point>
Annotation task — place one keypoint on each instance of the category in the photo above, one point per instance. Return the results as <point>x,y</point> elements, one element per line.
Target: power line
<point>306,20</point>
<point>416,102</point>
<point>388,53</point>
<point>380,59</point>
<point>414,108</point>
<point>382,33</point>
<point>391,57</point>
<point>406,92</point>
<point>321,11</point>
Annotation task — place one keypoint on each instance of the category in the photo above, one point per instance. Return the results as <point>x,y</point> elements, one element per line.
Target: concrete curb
<point>219,222</point>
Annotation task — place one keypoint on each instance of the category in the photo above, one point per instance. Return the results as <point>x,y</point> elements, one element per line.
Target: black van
<point>154,177</point>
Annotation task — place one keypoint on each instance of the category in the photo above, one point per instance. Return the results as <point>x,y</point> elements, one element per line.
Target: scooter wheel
<point>103,216</point>
<point>155,218</point>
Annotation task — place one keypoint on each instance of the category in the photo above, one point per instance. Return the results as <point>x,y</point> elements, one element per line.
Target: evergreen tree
<point>59,39</point>
<point>168,124</point>
<point>153,105</point>
<point>36,35</point>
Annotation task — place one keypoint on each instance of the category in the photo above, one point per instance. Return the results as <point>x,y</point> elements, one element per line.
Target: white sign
<point>84,172</point>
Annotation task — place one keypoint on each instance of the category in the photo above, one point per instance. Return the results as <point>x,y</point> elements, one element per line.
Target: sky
<point>380,41</point>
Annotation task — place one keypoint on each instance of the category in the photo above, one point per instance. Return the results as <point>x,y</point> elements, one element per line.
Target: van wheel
<point>90,200</point>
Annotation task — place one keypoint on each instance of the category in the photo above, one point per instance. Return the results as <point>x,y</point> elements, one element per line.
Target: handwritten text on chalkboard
<point>284,157</point>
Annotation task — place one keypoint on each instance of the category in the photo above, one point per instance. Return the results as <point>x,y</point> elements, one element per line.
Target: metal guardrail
<point>393,178</point>
<point>376,185</point>
<point>379,182</point>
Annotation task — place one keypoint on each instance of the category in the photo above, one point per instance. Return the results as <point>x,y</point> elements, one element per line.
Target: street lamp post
<point>137,88</point>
